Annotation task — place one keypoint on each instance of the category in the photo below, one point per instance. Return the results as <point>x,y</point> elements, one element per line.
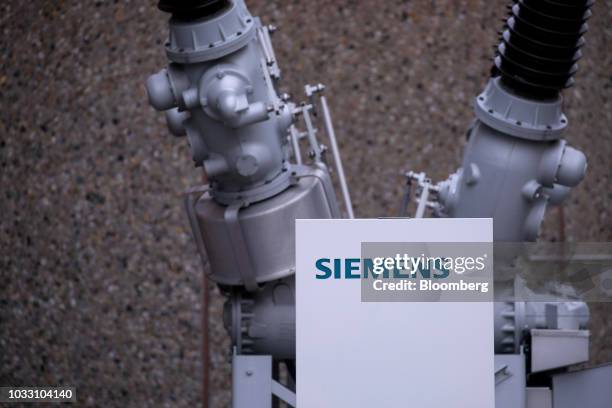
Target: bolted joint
<point>310,90</point>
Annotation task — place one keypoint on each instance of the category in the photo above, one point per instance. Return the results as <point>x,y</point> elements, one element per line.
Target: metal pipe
<point>561,215</point>
<point>189,196</point>
<point>406,199</point>
<point>264,46</point>
<point>316,149</point>
<point>338,161</point>
<point>422,203</point>
<point>297,153</point>
<point>205,343</point>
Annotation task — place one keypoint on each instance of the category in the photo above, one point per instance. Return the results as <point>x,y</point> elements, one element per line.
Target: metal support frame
<point>253,385</point>
<point>317,150</point>
<point>241,175</point>
<point>424,189</point>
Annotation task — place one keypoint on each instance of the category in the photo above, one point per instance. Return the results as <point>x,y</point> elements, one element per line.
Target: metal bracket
<point>263,35</point>
<point>241,251</point>
<point>304,171</point>
<point>189,202</point>
<point>424,189</point>
<point>317,149</point>
<point>502,374</point>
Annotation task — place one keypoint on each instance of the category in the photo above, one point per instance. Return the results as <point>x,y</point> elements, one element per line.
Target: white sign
<point>387,354</point>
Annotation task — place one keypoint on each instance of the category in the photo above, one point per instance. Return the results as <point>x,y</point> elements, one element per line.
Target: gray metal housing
<point>256,244</point>
<point>510,172</point>
<point>515,164</point>
<point>219,92</point>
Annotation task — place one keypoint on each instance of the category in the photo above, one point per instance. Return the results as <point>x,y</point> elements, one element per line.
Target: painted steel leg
<point>253,385</point>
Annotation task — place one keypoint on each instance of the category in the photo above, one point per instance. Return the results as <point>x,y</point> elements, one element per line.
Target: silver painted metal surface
<point>515,164</point>
<point>263,322</point>
<point>253,385</point>
<point>557,348</point>
<point>336,152</point>
<point>510,381</point>
<point>220,92</point>
<point>506,177</point>
<point>251,381</point>
<point>539,397</point>
<point>256,242</point>
<point>499,108</point>
<point>586,388</point>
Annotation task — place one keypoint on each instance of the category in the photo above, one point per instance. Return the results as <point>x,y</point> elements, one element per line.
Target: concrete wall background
<point>100,284</point>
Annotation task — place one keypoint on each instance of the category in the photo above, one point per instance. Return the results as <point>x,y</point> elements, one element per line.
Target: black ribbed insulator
<point>541,43</point>
<point>189,10</point>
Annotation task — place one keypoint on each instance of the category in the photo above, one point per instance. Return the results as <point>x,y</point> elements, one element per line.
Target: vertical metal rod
<point>406,199</point>
<point>266,33</point>
<point>422,203</point>
<point>240,248</point>
<point>561,214</point>
<point>276,402</point>
<point>205,344</point>
<point>296,144</point>
<point>264,46</point>
<point>190,201</point>
<point>334,147</point>
<point>316,149</point>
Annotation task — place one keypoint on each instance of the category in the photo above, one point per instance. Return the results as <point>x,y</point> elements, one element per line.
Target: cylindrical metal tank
<point>266,230</point>
<point>263,322</point>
